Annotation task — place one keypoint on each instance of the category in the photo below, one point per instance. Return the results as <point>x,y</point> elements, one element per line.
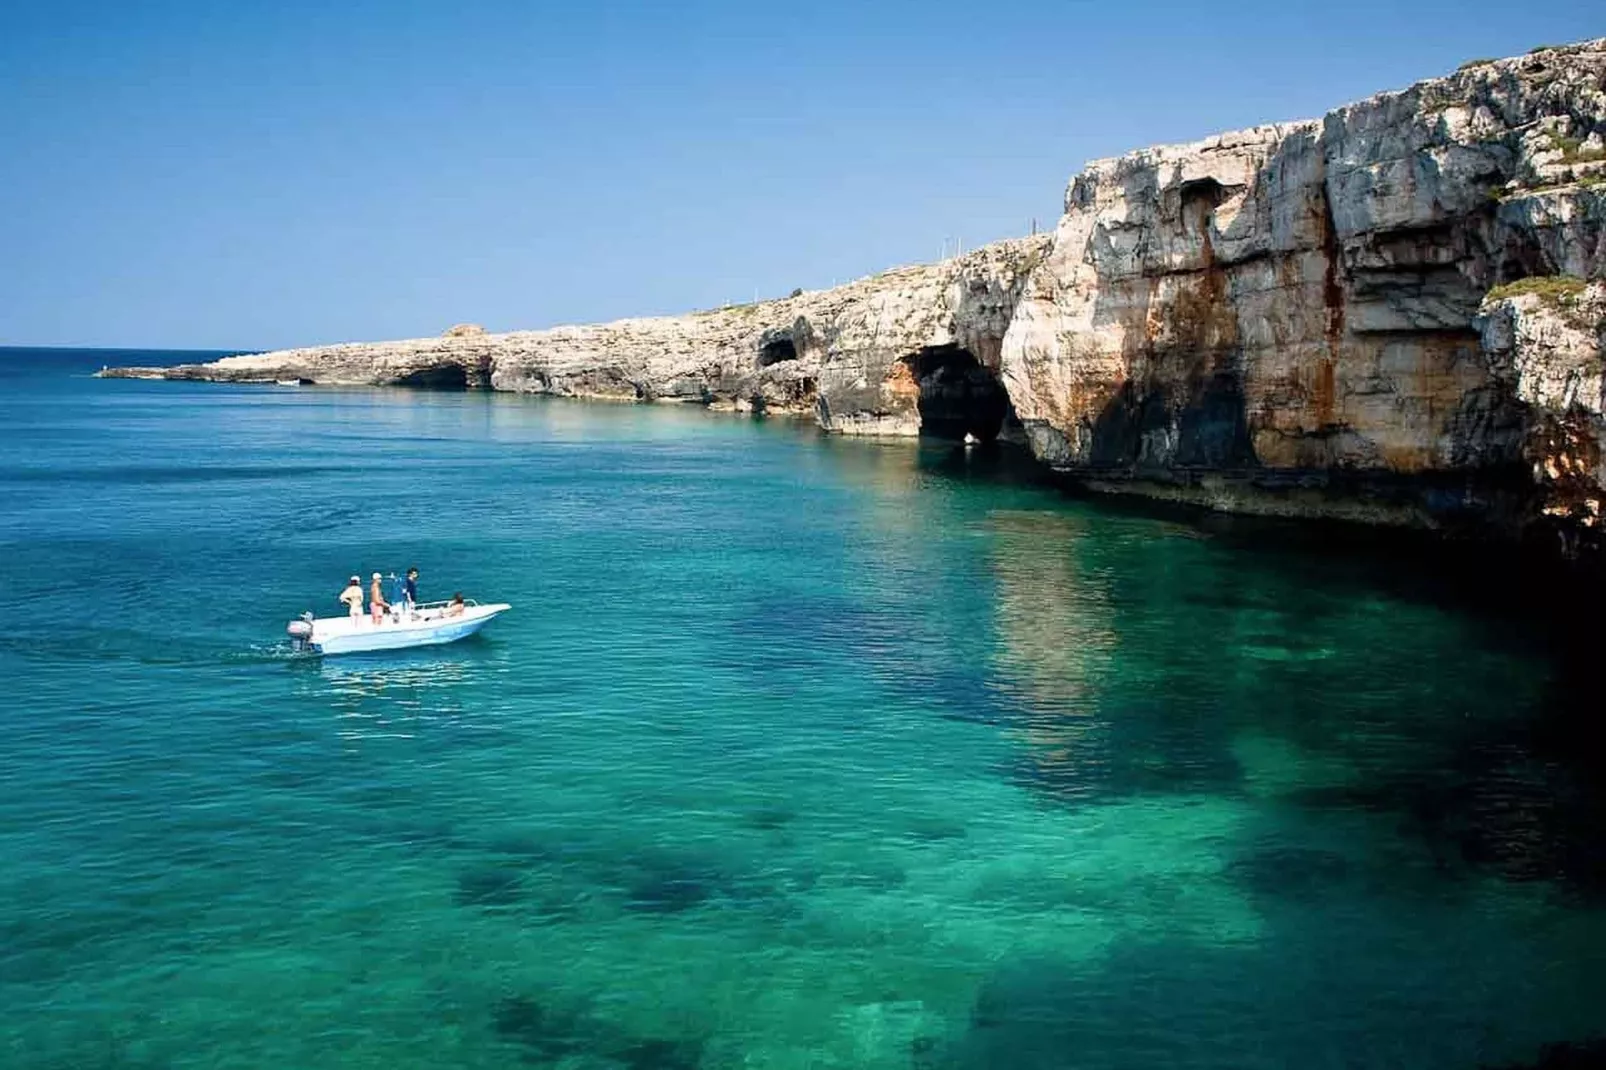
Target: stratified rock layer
<point>856,354</point>
<point>1306,318</point>
<point>1285,319</point>
<point>1545,351</point>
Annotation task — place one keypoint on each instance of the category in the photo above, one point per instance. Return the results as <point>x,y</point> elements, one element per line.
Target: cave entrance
<point>775,351</point>
<point>958,395</point>
<point>441,377</point>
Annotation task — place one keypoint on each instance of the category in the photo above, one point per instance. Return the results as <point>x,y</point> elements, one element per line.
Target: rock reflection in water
<point>1054,646</point>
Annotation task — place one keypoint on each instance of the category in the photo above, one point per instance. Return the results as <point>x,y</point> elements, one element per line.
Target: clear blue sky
<point>222,174</point>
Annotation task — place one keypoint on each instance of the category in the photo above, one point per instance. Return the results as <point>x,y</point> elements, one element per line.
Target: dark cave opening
<point>1207,191</point>
<point>440,377</point>
<point>775,351</point>
<point>958,394</point>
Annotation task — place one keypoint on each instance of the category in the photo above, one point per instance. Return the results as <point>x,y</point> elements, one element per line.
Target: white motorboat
<point>426,624</point>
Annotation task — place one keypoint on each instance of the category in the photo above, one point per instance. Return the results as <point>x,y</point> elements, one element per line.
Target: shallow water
<point>795,752</point>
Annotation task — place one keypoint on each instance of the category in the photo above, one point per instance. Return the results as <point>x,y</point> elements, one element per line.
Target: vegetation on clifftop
<point>1555,290</point>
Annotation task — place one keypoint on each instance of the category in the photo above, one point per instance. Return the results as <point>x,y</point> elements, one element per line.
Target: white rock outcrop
<point>1285,319</point>
<point>855,354</point>
<point>1546,352</point>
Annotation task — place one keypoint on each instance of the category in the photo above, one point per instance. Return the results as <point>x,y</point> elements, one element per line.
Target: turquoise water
<point>794,752</point>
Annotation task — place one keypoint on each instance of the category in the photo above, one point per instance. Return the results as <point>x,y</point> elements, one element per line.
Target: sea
<point>795,751</point>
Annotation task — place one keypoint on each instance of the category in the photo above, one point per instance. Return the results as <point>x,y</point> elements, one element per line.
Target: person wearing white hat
<point>376,598</point>
<point>352,596</point>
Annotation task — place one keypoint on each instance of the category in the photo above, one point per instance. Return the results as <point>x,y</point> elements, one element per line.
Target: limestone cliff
<point>1545,343</point>
<point>879,355</point>
<point>1285,319</point>
<point>1310,318</point>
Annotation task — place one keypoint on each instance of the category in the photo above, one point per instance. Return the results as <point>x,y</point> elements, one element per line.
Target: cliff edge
<point>1316,317</point>
<point>912,349</point>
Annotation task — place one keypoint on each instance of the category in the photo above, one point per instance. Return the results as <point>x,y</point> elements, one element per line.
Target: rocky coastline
<point>1394,314</point>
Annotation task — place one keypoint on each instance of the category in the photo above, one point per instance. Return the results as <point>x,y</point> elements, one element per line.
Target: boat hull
<point>355,636</point>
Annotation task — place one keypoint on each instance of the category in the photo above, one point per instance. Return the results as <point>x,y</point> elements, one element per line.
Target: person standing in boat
<point>410,589</point>
<point>376,598</point>
<point>352,596</point>
<point>398,597</point>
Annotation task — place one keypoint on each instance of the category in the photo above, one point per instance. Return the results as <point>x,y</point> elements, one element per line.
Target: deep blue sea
<point>795,752</point>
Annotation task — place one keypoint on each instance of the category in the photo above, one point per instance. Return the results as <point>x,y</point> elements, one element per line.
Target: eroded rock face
<point>455,361</point>
<point>853,355</point>
<point>1547,357</point>
<point>1284,319</point>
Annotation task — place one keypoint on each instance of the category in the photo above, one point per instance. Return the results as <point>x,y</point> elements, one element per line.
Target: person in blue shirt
<point>398,596</point>
<point>410,588</point>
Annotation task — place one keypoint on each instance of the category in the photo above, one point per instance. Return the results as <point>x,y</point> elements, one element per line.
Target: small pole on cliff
<point>1034,225</point>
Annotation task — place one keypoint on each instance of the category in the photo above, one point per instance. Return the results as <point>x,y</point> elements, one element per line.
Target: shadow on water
<point>1329,637</point>
<point>1171,1003</point>
<point>1565,1055</point>
<point>1142,647</point>
<point>1464,574</point>
<point>418,664</point>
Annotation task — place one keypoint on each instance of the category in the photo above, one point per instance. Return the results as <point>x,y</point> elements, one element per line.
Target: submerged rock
<point>550,1034</point>
<point>661,1055</point>
<point>534,1026</point>
<point>490,887</point>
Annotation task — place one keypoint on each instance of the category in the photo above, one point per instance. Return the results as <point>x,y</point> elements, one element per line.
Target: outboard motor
<point>301,632</point>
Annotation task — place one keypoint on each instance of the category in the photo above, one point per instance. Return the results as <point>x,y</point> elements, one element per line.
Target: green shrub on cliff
<point>1573,151</point>
<point>1471,63</point>
<point>1554,290</point>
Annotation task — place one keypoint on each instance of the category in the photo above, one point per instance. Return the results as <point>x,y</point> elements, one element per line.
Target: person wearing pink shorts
<point>376,599</point>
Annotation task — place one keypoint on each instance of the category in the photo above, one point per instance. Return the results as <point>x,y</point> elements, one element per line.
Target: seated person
<point>456,607</point>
